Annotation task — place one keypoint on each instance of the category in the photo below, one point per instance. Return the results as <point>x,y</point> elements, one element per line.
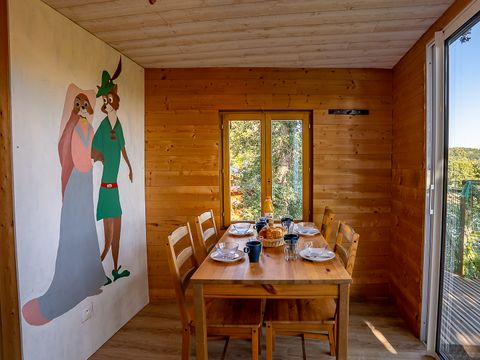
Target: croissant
<point>271,233</point>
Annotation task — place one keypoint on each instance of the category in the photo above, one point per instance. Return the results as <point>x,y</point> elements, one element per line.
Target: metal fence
<point>462,245</point>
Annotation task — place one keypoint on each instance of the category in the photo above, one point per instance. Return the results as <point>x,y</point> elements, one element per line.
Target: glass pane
<point>245,169</point>
<point>287,168</point>
<point>459,336</point>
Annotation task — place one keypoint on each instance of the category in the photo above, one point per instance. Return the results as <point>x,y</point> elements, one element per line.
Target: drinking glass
<point>290,251</point>
<point>290,248</point>
<point>307,245</point>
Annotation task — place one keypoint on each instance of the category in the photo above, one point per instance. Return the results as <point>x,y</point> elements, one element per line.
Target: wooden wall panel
<point>9,312</point>
<point>408,174</point>
<point>351,155</point>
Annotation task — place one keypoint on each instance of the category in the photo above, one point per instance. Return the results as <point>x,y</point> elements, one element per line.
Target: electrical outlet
<point>87,312</point>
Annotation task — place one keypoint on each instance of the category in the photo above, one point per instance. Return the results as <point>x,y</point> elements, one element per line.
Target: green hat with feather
<point>107,80</point>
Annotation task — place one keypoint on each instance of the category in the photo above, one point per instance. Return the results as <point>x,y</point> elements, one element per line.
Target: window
<point>266,154</point>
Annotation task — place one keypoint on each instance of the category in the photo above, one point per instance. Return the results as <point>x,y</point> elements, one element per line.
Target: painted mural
<point>48,52</point>
<point>79,272</point>
<point>108,147</point>
<point>78,269</point>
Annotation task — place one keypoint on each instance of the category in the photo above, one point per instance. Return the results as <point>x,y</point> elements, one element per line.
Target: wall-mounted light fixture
<point>348,112</point>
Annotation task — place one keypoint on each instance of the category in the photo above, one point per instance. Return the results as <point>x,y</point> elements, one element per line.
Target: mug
<point>259,225</point>
<point>253,248</point>
<point>286,222</point>
<point>291,238</point>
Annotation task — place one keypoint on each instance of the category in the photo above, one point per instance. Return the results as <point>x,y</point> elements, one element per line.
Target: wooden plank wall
<point>9,312</point>
<point>351,155</point>
<point>408,174</point>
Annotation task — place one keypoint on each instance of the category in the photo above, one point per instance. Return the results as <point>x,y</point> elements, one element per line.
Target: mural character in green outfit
<point>108,145</point>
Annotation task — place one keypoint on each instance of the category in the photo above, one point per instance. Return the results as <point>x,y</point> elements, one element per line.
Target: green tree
<point>287,168</point>
<point>463,165</point>
<point>245,168</point>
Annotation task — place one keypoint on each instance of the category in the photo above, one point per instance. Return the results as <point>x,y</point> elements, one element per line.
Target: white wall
<point>48,52</point>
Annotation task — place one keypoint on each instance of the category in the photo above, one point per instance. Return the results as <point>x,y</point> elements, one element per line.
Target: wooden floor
<point>376,332</point>
<point>461,317</point>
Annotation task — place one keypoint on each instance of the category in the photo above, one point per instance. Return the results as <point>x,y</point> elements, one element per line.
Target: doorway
<point>458,335</point>
<point>453,191</point>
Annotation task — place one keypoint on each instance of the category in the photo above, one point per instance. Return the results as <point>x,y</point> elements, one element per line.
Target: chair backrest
<point>177,263</point>
<point>207,238</point>
<point>327,224</point>
<point>346,245</point>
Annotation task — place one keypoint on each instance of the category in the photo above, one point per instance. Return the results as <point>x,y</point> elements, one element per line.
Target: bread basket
<point>270,243</point>
<point>273,241</point>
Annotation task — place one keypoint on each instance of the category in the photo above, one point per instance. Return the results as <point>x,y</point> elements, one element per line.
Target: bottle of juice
<point>268,209</point>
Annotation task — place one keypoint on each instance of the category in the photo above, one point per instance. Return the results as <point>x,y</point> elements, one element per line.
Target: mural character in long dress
<point>108,146</point>
<point>78,270</point>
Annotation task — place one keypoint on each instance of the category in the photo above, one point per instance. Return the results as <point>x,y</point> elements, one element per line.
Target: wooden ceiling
<point>256,33</point>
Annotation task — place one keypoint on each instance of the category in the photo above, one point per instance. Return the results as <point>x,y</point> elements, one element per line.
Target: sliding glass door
<point>458,335</point>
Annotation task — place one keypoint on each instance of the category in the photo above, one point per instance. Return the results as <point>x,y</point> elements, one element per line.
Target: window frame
<point>266,118</point>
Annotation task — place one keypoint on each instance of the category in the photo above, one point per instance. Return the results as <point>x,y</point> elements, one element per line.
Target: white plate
<point>215,255</point>
<point>317,255</point>
<point>240,230</point>
<point>308,231</point>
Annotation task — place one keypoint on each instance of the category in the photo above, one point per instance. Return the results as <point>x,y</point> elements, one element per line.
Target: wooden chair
<point>327,224</point>
<point>226,318</point>
<point>316,318</point>
<point>206,238</point>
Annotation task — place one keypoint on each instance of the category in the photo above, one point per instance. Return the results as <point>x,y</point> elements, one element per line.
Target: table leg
<point>200,323</point>
<point>342,326</point>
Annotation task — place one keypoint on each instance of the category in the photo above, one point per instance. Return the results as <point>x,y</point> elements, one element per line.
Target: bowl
<point>227,249</point>
<point>241,228</point>
<point>307,225</point>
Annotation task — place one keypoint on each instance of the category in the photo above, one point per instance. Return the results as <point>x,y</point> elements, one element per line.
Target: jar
<point>268,208</point>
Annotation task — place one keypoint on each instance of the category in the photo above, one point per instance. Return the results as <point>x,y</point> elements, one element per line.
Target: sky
<point>464,95</point>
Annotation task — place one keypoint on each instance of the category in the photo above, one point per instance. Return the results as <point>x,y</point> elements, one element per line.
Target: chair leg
<point>274,342</point>
<point>224,353</point>
<point>254,343</point>
<point>303,348</point>
<point>260,340</point>
<point>270,341</point>
<point>186,344</point>
<point>331,340</point>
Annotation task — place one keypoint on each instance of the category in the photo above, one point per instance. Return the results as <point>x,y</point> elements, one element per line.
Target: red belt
<point>109,185</point>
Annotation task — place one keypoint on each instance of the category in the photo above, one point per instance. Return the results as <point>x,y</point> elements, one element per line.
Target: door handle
<point>431,199</point>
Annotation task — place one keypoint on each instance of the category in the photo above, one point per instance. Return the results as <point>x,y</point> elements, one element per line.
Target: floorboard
<point>376,332</point>
<point>460,317</point>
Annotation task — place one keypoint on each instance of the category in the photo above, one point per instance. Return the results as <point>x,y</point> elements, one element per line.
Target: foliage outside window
<point>463,212</point>
<point>264,155</point>
<point>245,170</point>
<point>287,168</point>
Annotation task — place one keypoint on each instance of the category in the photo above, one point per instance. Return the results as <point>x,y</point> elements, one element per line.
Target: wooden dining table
<point>271,278</point>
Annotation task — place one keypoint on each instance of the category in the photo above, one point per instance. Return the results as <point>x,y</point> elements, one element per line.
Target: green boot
<point>117,274</point>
